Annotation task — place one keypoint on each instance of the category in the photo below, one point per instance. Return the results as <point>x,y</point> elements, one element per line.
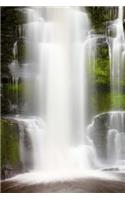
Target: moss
<point>14,88</point>
<point>102,71</point>
<point>12,94</point>
<point>104,102</point>
<point>118,101</point>
<point>101,102</point>
<point>9,143</point>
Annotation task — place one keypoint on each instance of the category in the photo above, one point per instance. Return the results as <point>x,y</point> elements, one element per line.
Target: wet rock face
<point>104,131</point>
<point>8,171</point>
<point>11,162</point>
<point>11,19</point>
<point>10,159</point>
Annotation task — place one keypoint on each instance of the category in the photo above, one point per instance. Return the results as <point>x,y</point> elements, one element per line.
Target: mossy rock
<point>10,155</point>
<point>12,98</point>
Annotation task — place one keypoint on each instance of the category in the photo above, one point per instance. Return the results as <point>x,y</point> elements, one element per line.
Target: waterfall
<point>107,136</point>
<point>117,55</point>
<point>55,137</point>
<point>116,140</point>
<point>116,134</point>
<point>14,70</point>
<point>55,79</point>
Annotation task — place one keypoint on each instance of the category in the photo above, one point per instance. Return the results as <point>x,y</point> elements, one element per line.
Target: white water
<point>107,133</point>
<point>116,140</point>
<point>37,177</point>
<point>55,79</point>
<point>55,89</point>
<point>116,133</point>
<point>117,55</point>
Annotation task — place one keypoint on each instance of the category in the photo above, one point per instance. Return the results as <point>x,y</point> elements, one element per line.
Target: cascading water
<point>54,76</point>
<point>116,140</point>
<point>112,129</point>
<point>59,49</point>
<point>109,145</point>
<point>116,134</point>
<point>117,55</point>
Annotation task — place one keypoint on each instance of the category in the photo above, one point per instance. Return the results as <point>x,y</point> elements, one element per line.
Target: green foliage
<point>102,71</point>
<point>102,99</point>
<point>104,102</point>
<point>11,94</point>
<point>101,102</point>
<point>118,101</point>
<point>15,88</point>
<point>9,143</point>
<point>99,70</point>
